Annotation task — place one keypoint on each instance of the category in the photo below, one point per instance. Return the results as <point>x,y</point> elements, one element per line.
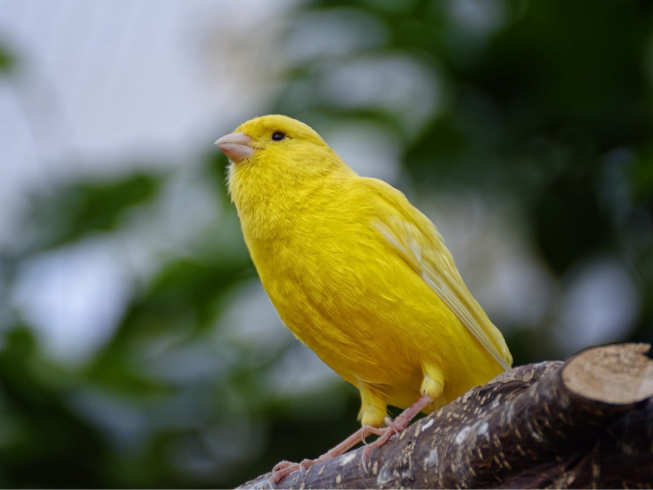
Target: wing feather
<point>418,242</point>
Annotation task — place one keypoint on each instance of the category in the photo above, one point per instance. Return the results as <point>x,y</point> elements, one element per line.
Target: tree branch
<point>587,422</point>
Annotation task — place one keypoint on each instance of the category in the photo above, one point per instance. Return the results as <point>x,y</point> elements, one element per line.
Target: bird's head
<point>277,154</point>
<point>267,137</point>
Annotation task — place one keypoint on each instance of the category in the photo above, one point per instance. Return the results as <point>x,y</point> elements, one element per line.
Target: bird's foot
<point>396,426</point>
<point>281,469</point>
<point>284,468</point>
<point>393,427</point>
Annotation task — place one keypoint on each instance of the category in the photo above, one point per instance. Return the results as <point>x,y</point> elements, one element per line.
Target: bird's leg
<point>286,467</point>
<point>369,411</point>
<point>398,424</point>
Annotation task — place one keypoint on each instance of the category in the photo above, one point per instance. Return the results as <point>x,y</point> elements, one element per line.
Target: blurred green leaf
<point>75,210</point>
<point>7,60</point>
<point>48,432</point>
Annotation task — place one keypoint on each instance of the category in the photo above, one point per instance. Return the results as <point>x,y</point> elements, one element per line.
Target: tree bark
<point>584,423</point>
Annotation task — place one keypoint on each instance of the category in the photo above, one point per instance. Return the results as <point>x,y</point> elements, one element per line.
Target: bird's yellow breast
<point>343,291</point>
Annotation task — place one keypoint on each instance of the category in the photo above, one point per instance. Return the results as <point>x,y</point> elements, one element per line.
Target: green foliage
<point>77,210</point>
<point>40,430</point>
<point>7,60</point>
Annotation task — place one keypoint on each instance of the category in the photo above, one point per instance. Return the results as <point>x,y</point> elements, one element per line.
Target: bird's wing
<point>418,242</point>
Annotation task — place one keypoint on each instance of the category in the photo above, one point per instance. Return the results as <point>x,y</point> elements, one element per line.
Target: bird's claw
<point>364,456</point>
<point>307,463</point>
<point>281,465</point>
<point>396,428</point>
<point>282,469</point>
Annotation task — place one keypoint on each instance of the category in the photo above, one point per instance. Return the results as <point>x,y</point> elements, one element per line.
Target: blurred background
<point>137,347</point>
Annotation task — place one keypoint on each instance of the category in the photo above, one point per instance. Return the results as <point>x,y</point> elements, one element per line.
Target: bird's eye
<point>278,136</point>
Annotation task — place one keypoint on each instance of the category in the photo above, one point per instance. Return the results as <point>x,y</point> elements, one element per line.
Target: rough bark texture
<point>585,423</point>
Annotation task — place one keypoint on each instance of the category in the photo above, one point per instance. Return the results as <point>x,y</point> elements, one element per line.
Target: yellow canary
<point>356,272</point>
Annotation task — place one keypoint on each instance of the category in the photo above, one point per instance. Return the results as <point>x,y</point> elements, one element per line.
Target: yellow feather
<point>358,274</point>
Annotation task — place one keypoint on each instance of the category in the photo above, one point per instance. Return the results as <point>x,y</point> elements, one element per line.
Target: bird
<point>360,276</point>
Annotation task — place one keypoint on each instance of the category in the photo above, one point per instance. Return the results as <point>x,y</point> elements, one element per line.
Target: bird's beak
<point>237,146</point>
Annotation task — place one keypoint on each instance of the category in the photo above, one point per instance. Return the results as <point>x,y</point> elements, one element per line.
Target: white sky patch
<point>396,83</point>
<point>251,320</point>
<point>600,306</point>
<point>369,150</point>
<point>485,236</point>
<point>300,371</point>
<point>73,297</point>
<point>106,86</point>
<point>334,33</point>
<point>102,89</point>
<point>481,17</point>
